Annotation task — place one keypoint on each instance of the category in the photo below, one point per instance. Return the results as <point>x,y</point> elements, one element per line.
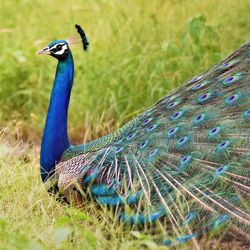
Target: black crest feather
<point>83,36</point>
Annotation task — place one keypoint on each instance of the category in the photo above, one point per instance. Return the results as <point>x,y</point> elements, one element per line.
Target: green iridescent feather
<point>183,163</point>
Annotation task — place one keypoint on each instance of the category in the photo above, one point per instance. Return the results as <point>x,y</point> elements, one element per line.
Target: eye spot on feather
<point>151,128</point>
<point>170,105</point>
<point>223,146</point>
<point>247,114</point>
<point>197,86</point>
<point>185,161</point>
<point>232,99</point>
<point>205,97</point>
<point>172,132</point>
<point>131,136</point>
<point>118,149</point>
<point>173,104</point>
<point>176,115</point>
<point>195,79</point>
<point>224,65</point>
<point>147,121</point>
<point>228,81</point>
<point>167,99</point>
<point>183,141</point>
<point>153,153</point>
<point>214,131</point>
<point>143,144</point>
<point>228,64</point>
<point>200,85</point>
<point>221,170</point>
<point>200,118</point>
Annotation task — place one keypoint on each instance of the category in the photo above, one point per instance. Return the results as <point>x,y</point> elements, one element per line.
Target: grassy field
<point>139,50</point>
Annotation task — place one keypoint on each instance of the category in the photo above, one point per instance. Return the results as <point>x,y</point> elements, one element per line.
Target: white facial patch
<point>59,52</point>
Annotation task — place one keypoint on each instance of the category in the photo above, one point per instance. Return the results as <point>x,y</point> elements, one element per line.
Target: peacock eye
<point>59,47</point>
<point>53,50</point>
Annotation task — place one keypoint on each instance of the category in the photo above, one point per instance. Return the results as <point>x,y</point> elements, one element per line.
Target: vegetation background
<point>139,51</point>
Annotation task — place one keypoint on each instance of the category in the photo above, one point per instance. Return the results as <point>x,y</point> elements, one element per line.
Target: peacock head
<point>60,48</point>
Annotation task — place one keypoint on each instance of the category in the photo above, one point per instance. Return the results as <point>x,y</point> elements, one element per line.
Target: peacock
<point>180,168</point>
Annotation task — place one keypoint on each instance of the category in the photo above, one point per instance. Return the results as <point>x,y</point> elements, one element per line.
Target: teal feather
<point>184,162</point>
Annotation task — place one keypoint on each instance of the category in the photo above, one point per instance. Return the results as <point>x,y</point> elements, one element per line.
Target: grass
<point>138,52</point>
<point>30,219</point>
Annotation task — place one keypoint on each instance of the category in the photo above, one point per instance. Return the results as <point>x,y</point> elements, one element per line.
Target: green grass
<point>139,50</point>
<point>30,219</point>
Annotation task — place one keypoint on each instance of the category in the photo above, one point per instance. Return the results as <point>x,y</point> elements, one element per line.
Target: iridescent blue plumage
<point>183,164</point>
<point>55,138</point>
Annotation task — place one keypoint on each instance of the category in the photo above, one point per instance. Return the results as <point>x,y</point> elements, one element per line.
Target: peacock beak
<point>43,51</point>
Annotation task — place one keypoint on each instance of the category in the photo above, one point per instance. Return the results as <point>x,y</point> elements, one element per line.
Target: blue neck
<point>55,137</point>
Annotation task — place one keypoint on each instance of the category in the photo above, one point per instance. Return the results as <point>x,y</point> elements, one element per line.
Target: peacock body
<point>184,163</point>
